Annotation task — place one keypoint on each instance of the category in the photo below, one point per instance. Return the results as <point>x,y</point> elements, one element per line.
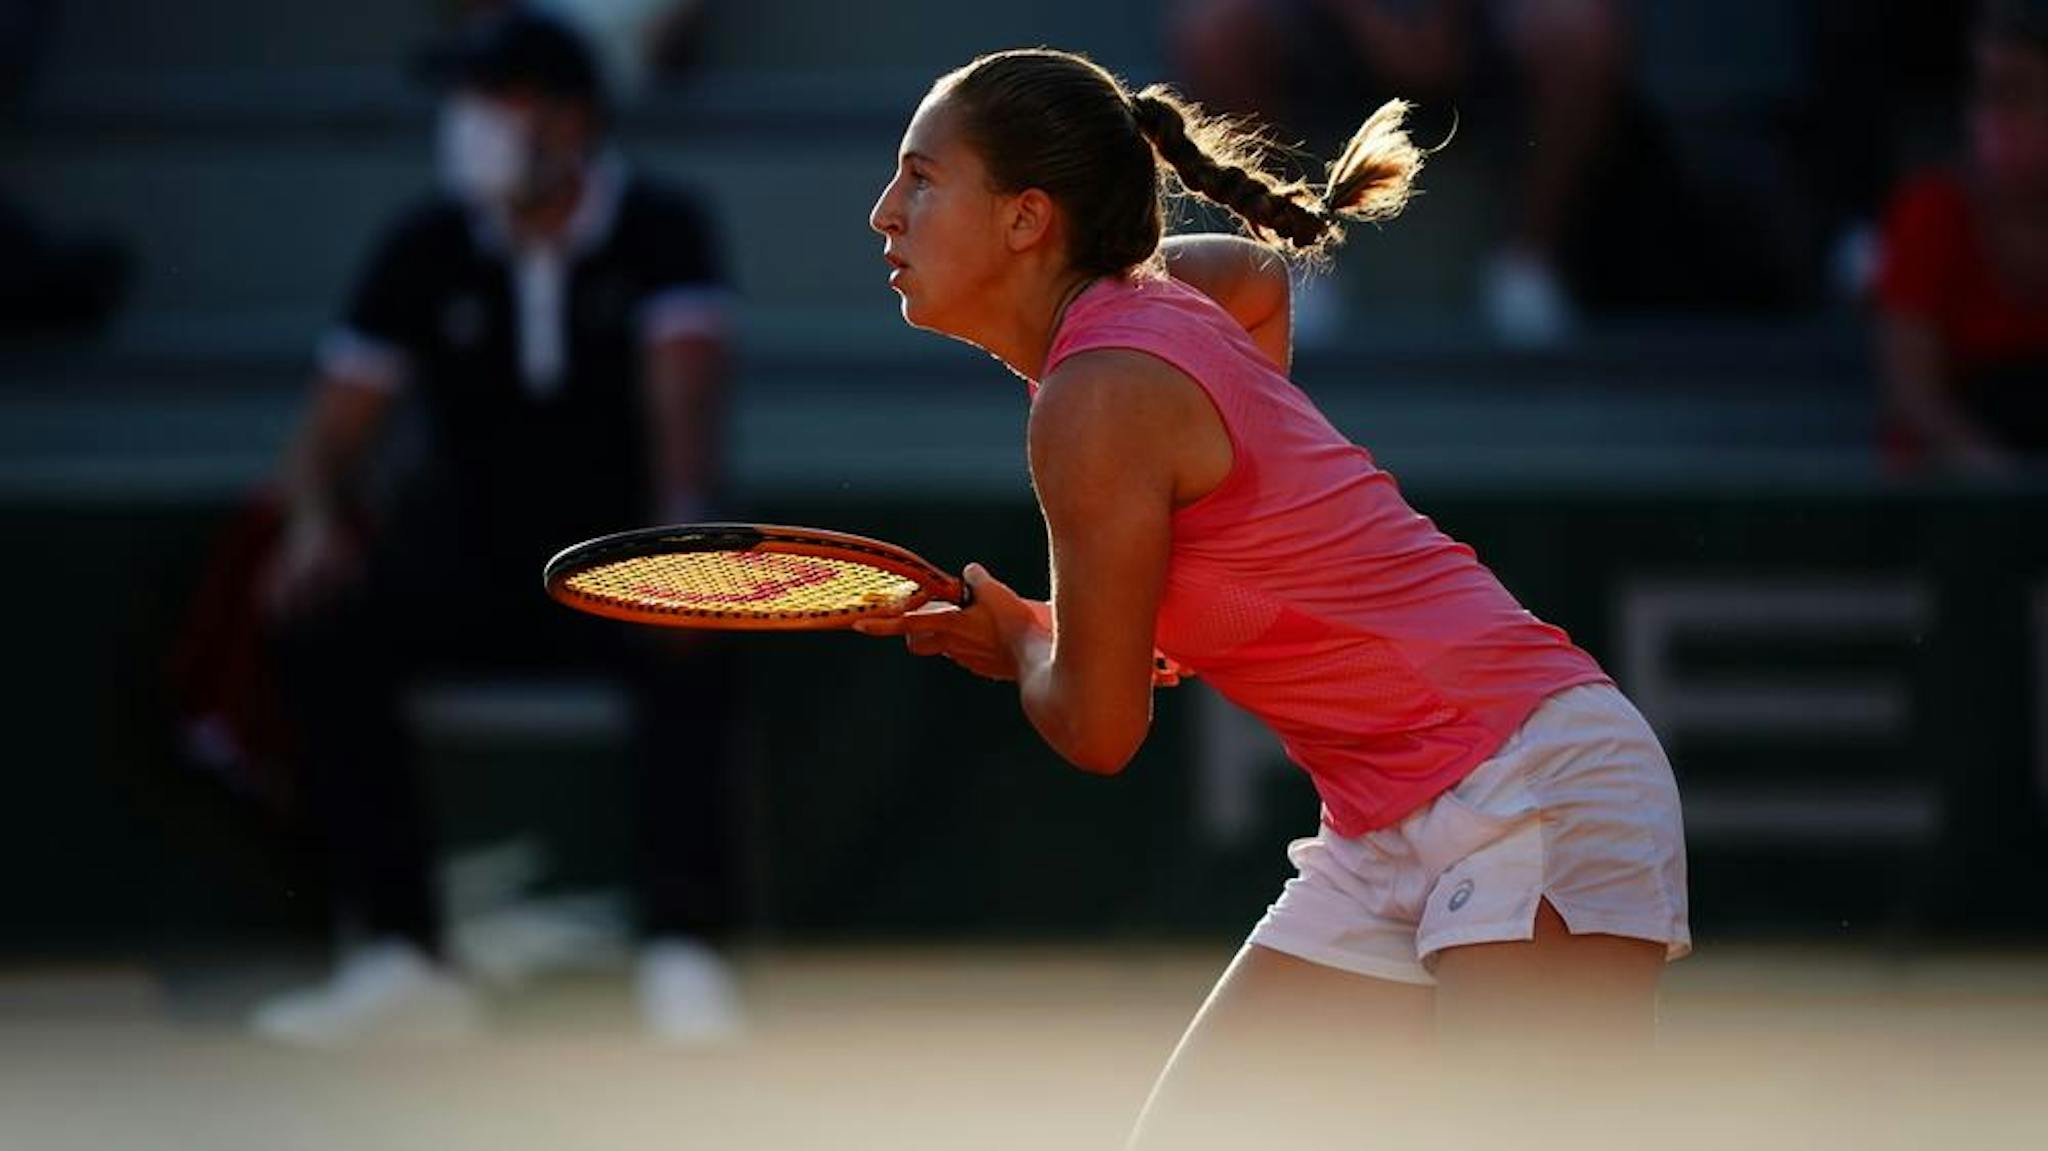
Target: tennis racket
<point>745,577</point>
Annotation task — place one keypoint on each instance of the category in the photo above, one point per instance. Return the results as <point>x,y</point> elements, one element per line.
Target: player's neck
<point>1023,335</point>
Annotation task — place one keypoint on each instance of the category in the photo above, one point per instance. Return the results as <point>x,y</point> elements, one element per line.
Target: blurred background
<point>1719,331</point>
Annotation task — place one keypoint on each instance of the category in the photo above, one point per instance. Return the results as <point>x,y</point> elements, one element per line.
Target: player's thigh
<point>1284,1047</point>
<point>1590,993</point>
<point>1271,996</point>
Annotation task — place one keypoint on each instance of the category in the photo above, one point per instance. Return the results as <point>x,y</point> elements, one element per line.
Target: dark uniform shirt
<point>527,365</point>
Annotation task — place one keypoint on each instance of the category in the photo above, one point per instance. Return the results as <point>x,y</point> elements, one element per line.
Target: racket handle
<point>966,594</point>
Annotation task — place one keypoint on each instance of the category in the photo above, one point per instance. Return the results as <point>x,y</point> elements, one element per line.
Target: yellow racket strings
<point>742,584</point>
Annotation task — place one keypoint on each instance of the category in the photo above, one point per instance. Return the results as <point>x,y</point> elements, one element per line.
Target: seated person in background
<point>1962,290</point>
<point>558,320</point>
<point>1605,209</point>
<point>1307,65</point>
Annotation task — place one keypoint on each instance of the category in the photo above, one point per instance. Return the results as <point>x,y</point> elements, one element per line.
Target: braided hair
<point>1057,121</point>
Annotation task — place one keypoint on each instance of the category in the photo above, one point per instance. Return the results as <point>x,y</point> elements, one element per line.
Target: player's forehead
<point>934,134</point>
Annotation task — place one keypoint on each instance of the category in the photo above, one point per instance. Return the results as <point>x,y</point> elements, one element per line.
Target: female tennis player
<point>1500,850</point>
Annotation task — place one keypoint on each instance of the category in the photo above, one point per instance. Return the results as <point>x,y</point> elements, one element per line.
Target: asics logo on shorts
<point>1460,895</point>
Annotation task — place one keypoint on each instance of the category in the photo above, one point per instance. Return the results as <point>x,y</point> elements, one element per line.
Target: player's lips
<point>896,267</point>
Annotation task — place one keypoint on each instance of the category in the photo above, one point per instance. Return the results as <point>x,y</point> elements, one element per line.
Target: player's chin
<point>918,315</point>
<point>908,309</point>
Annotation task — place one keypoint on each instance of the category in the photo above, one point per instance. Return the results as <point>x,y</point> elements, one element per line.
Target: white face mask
<point>485,152</point>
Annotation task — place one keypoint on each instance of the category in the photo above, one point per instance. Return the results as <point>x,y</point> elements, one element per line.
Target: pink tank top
<point>1386,657</point>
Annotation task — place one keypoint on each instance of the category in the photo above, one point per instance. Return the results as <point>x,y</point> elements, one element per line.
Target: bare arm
<point>331,443</point>
<point>1104,442</point>
<point>315,555</point>
<point>1107,434</point>
<point>1247,278</point>
<point>1917,385</point>
<point>686,402</point>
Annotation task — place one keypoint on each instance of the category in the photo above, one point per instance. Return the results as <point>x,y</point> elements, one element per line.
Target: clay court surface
<point>1001,1047</point>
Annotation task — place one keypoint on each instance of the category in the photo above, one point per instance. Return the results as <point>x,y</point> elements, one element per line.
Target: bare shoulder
<point>1112,388</point>
<point>1123,417</point>
<point>1248,279</point>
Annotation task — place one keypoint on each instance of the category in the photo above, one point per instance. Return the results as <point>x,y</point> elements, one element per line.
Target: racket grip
<point>966,594</point>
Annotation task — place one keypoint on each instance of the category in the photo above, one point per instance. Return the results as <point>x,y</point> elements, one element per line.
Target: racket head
<point>744,577</point>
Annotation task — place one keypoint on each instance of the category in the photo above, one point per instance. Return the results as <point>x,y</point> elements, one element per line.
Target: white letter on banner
<point>1654,615</point>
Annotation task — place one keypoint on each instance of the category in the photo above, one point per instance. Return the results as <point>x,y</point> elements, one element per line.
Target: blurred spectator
<point>1599,216</point>
<point>1963,279</point>
<point>1882,96</point>
<point>638,41</point>
<point>557,321</point>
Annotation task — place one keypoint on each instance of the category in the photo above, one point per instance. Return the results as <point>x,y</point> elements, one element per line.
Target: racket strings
<point>742,584</point>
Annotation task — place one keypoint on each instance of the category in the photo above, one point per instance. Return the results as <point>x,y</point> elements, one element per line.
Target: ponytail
<point>1223,163</point>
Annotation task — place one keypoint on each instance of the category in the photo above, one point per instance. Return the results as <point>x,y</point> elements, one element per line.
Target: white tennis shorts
<point>1578,807</point>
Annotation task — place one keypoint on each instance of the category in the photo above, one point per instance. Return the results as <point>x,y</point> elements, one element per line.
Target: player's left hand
<point>983,638</point>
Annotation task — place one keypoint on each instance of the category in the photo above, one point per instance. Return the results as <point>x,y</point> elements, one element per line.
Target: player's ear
<point>1032,216</point>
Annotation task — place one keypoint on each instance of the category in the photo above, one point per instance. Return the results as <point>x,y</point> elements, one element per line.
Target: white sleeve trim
<point>693,311</point>
<point>348,356</point>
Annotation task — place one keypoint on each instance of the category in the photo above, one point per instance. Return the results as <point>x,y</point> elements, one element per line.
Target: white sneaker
<point>1525,302</point>
<point>385,992</point>
<point>687,993</point>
